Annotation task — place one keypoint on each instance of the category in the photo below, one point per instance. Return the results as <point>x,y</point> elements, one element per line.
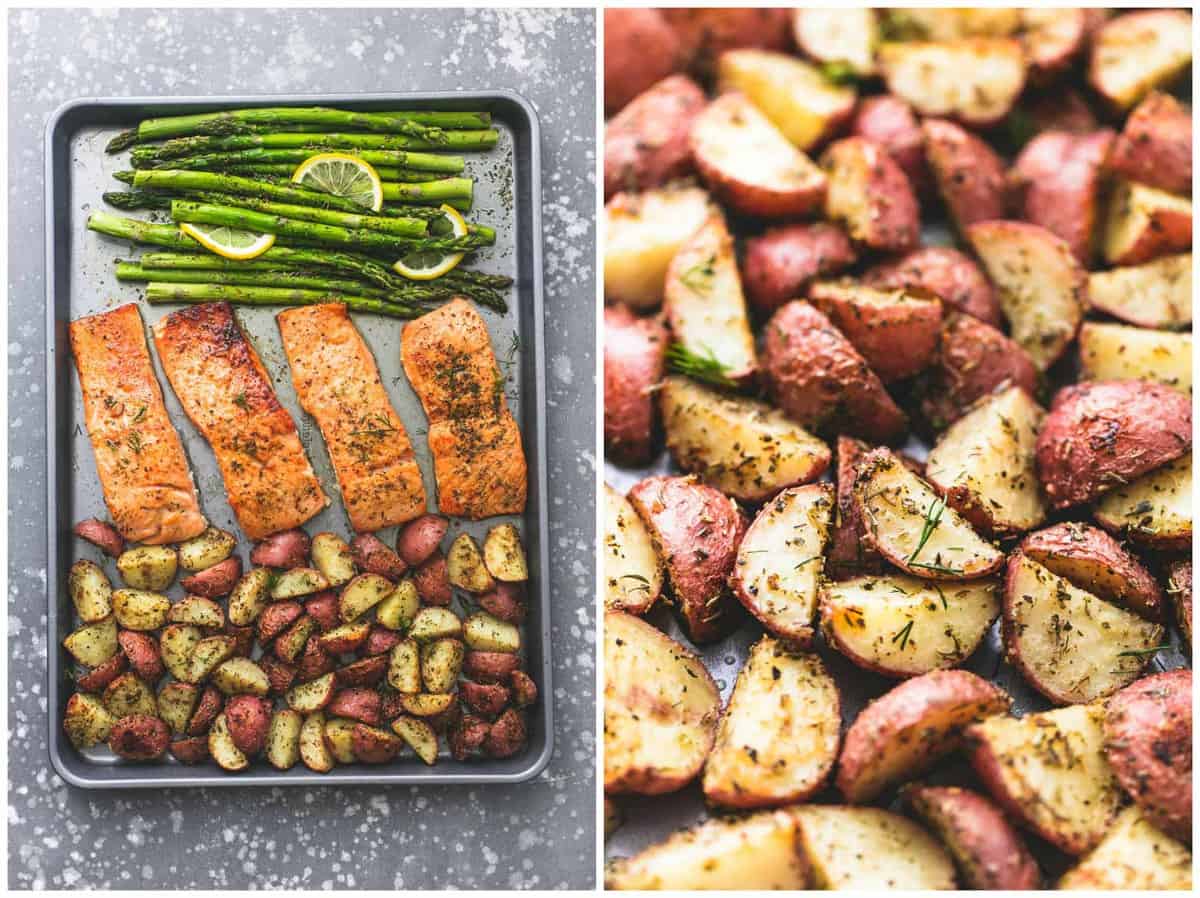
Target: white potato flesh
<point>988,456</point>
<point>1120,352</point>
<point>1155,509</point>
<point>222,748</point>
<point>743,447</point>
<point>632,572</point>
<point>974,80</point>
<point>1134,211</point>
<point>1156,294</point>
<point>902,626</point>
<point>952,23</point>
<point>1133,54</point>
<point>846,34</point>
<point>780,561</point>
<point>1134,856</point>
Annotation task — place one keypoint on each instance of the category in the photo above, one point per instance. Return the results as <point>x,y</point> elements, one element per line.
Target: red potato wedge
<point>1052,39</point>
<point>98,678</point>
<point>633,574</point>
<point>248,718</point>
<point>778,265</point>
<point>490,667</point>
<point>1103,434</point>
<point>1134,856</point>
<point>984,464</point>
<point>696,532</point>
<point>1155,146</point>
<point>1093,561</point>
<point>868,849</point>
<point>749,165</point>
<point>1041,286</point>
<point>755,852</point>
<point>191,750</point>
<point>323,608</point>
<point>1179,587</point>
<point>365,671</point>
<point>375,746</point>
<point>896,331</point>
<point>779,564</point>
<point>640,49</point>
<point>280,674</point>
<point>845,35</point>
<point>142,651</point>
<point>507,736</point>
<point>819,379</point>
<point>524,690</point>
<point>903,627</point>
<point>952,23</point>
<point>988,853</point>
<point>90,590</point>
<point>374,556</point>
<point>1156,294</point>
<point>1154,510</point>
<point>869,194</point>
<point>660,709</point>
<point>489,699</point>
<point>1060,109</point>
<point>276,618</point>
<point>505,602</point>
<point>974,80</point>
<point>647,143</point>
<point>345,639</point>
<point>207,708</point>
<point>1143,224</point>
<point>849,553</point>
<point>467,736</point>
<point>215,581</point>
<point>1148,742</point>
<point>799,100</point>
<point>768,752</point>
<point>908,729</point>
<point>288,549</point>
<point>890,122</point>
<point>704,304</point>
<point>139,737</point>
<point>951,276</point>
<point>357,704</point>
<point>706,33</point>
<point>420,538</point>
<point>634,362</point>
<point>1118,352</point>
<point>1022,763</point>
<point>913,528</point>
<point>128,694</point>
<point>432,580</point>
<point>86,721</point>
<point>642,233</point>
<point>1135,53</point>
<point>1069,645</point>
<point>968,173</point>
<point>102,535</point>
<point>743,447</point>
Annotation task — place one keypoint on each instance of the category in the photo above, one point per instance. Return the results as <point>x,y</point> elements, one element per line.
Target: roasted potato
<point>524,689</point>
<point>890,122</point>
<point>129,694</point>
<point>1143,224</point>
<point>399,607</point>
<point>314,750</point>
<point>842,36</point>
<point>489,699</point>
<point>632,571</point>
<point>640,48</point>
<point>902,627</point>
<point>1052,39</point>
<point>362,594</point>
<point>467,735</point>
<point>139,737</point>
<point>442,660</point>
<point>373,556</point>
<point>102,535</point>
<point>137,609</point>
<point>86,721</point>
<point>210,547</point>
<point>323,608</point>
<point>290,644</point>
<point>197,611</point>
<point>176,703</point>
<point>276,618</point>
<point>1155,509</point>
<point>432,580</point>
<point>419,736</point>
<point>968,173</point>
<point>869,194</point>
<point>507,735</point>
<point>634,362</point>
<point>90,591</point>
<point>99,677</point>
<point>331,556</point>
<point>248,719</point>
<point>298,582</point>
<point>490,667</point>
<point>780,561</point>
<point>427,705</point>
<point>404,667</point>
<point>420,538</point>
<point>339,736</point>
<point>1155,146</point>
<point>208,707</point>
<point>1133,856</point>
<point>241,676</point>
<point>696,532</point>
<point>974,80</point>
<point>849,553</point>
<point>380,641</point>
<point>503,554</point>
<point>1102,434</point>
<point>767,752</point>
<point>344,639</point>
<point>646,144</point>
<point>142,652</point>
<point>466,567</point>
<point>1119,352</point>
<point>435,623</point>
<point>778,266</point>
<point>287,549</point>
<point>750,165</point>
<point>190,750</point>
<point>1179,587</point>
<point>1156,294</point>
<point>951,276</point>
<point>952,23</point>
<point>207,655</point>
<point>366,671</point>
<point>283,739</point>
<point>484,633</point>
<point>660,709</point>
<point>249,597</point>
<point>176,644</point>
<point>313,695</point>
<point>1135,53</point>
<point>214,581</point>
<point>93,644</point>
<point>707,33</point>
<point>373,745</point>
<point>148,568</point>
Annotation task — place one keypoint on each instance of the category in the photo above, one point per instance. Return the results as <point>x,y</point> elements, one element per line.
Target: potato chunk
<point>1118,352</point>
<point>632,572</point>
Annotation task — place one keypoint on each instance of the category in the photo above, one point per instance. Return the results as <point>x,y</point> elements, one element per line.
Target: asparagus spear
<point>432,139</point>
<point>209,262</point>
<point>132,271</point>
<point>399,227</point>
<point>216,182</point>
<point>284,170</point>
<point>241,121</point>
<point>450,165</point>
<point>447,190</point>
<point>158,293</point>
<point>141,231</point>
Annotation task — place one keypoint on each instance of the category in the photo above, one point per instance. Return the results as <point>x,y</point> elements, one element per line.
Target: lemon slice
<point>230,243</point>
<point>342,175</point>
<point>427,264</point>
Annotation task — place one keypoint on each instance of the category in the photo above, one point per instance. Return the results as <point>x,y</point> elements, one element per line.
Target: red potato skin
<point>817,377</point>
<point>696,531</point>
<point>192,750</point>
<point>207,709</point>
<point>432,580</point>
<point>243,639</point>
<point>507,735</point>
<point>420,538</point>
<point>634,362</point>
<point>249,718</point>
<point>988,852</point>
<point>1064,109</point>
<point>276,618</point>
<point>102,535</point>
<point>216,581</point>
<point>290,644</point>
<point>1167,232</point>
<point>362,705</point>
<point>489,699</point>
<point>1055,183</point>
<point>373,555</point>
<point>96,679</point>
<point>891,123</point>
<point>280,674</point>
<point>1101,434</point>
<point>778,265</point>
<point>344,643</point>
<point>490,667</point>
<point>314,661</point>
<point>1148,742</point>
<point>364,672</point>
<point>467,736</point>
<point>1179,585</point>
<point>646,144</point>
<point>142,651</point>
<point>969,174</point>
<point>850,552</point>
<point>1047,62</point>
<point>706,33</point>
<point>894,218</point>
<point>323,608</point>
<point>139,737</point>
<point>380,641</point>
<point>951,276</point>
<point>1063,548</point>
<point>524,690</point>
<point>287,549</point>
<point>505,603</point>
<point>374,746</point>
<point>640,49</point>
<point>1155,147</point>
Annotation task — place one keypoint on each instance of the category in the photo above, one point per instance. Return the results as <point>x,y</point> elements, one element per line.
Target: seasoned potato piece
<point>1155,509</point>
<point>372,745</point>
<point>1155,147</point>
<point>339,736</point>
<point>287,549</point>
<point>749,165</point>
<point>984,464</point>
<point>249,719</point>
<point>708,32</point>
<point>197,611</point>
<point>503,554</point>
<point>969,175</point>
<point>314,750</point>
<point>974,80</point>
<point>660,709</point>
<point>283,739</point>
<point>891,123</point>
<point>1040,284</point>
<point>1157,294</point>
<point>362,594</point>
<point>870,849</point>
<point>90,590</point>
<point>428,704</point>
<point>952,23</point>
<point>441,662</point>
<point>1133,54</point>
<point>780,561</point>
<point>86,721</point>
<point>1133,856</point>
<point>1144,223</point>
<point>404,667</point>
<point>799,100</point>
<point>756,852</point>
<point>902,627</point>
<point>191,750</point>
<point>870,195</point>
<point>239,676</point>
<point>640,48</point>
<point>1179,586</point>
<point>466,566</point>
<point>1118,352</point>
<point>507,735</point>
<point>148,568</point>
<point>951,276</point>
<point>632,571</point>
<point>93,644</point>
<point>769,752</point>
<point>99,677</point>
<point>220,745</point>
<point>215,581</point>
<point>313,695</point>
<point>435,623</point>
<point>1052,38</point>
<point>374,556</point>
<point>419,736</point>
<point>912,526</point>
<point>646,145</point>
<point>635,352</point>
<point>399,607</point>
<point>176,644</point>
<point>1049,773</point>
<point>210,547</point>
<point>299,581</point>
<point>139,737</point>
<point>176,702</point>
<point>844,35</point>
<point>101,534</point>
<point>484,633</point>
<point>207,655</point>
<point>905,731</point>
<point>249,597</point>
<point>778,265</point>
<point>137,609</point>
<point>344,639</point>
<point>331,556</point>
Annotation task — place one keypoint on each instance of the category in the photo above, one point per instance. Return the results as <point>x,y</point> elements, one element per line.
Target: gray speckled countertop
<point>536,835</point>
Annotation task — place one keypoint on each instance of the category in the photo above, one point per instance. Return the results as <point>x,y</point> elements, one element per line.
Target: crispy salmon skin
<point>147,483</point>
<point>338,383</point>
<point>478,459</point>
<point>227,393</point>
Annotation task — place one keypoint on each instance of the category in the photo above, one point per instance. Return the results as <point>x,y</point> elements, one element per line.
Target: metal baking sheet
<point>80,280</point>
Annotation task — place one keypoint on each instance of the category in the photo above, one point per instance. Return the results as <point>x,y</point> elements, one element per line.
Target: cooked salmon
<point>227,393</point>
<point>147,483</point>
<point>478,460</point>
<point>338,384</point>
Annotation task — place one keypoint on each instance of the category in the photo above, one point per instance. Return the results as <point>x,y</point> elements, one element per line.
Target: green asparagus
<point>284,170</point>
<point>140,231</point>
<point>450,165</point>
<point>132,271</point>
<point>448,190</point>
<point>158,293</point>
<point>435,139</point>
<point>216,182</point>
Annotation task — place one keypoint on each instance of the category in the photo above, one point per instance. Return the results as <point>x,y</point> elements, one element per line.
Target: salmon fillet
<point>478,460</point>
<point>338,384</point>
<point>227,393</point>
<point>144,473</point>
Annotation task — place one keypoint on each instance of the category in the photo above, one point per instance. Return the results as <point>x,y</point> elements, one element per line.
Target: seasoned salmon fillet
<point>227,393</point>
<point>147,483</point>
<point>338,384</point>
<point>478,460</point>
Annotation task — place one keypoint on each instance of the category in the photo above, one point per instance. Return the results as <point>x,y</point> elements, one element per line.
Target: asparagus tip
<point>122,141</point>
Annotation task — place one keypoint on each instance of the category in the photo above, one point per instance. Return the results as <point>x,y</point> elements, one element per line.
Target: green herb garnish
<point>703,366</point>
